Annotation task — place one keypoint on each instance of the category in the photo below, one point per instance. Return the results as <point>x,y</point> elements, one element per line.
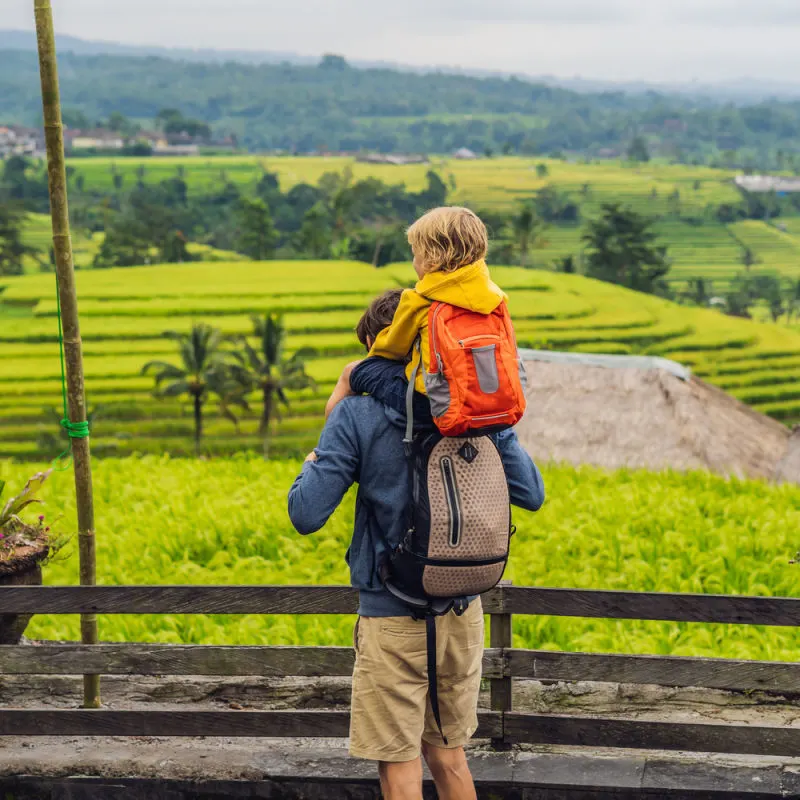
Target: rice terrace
<point>221,259</point>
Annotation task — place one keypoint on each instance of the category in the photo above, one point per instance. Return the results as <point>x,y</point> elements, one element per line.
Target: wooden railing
<point>501,664</point>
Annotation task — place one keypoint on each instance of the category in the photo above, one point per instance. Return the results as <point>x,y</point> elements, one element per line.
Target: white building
<point>767,183</point>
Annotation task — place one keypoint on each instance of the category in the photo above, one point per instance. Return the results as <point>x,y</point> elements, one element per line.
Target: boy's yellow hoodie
<point>469,287</point>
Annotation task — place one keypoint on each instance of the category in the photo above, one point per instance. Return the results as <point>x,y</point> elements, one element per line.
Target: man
<point>391,718</point>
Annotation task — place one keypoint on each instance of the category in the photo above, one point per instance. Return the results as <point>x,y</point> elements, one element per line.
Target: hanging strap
<point>433,689</point>
<point>412,382</point>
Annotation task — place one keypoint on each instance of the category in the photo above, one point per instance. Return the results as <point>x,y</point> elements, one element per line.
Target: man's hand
<point>312,456</point>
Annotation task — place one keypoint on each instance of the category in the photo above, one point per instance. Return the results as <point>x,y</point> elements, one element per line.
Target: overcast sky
<point>655,40</point>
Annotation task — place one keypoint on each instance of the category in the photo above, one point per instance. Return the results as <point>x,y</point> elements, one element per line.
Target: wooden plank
<point>189,600</point>
<point>180,600</point>
<point>713,673</point>
<point>166,659</point>
<point>192,723</point>
<point>637,734</point>
<point>653,606</point>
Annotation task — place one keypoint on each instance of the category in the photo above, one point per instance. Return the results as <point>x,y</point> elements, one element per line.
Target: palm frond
<point>272,339</point>
<point>174,389</point>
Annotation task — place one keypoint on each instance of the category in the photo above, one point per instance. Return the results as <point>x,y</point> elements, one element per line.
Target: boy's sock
<point>385,380</point>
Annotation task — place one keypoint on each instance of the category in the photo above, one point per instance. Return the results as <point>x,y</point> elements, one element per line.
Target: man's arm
<point>525,483</point>
<point>324,480</point>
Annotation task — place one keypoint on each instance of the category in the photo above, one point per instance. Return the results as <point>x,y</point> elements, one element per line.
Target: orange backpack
<point>476,383</point>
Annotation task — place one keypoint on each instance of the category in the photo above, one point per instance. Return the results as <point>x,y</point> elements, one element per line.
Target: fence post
<point>500,688</point>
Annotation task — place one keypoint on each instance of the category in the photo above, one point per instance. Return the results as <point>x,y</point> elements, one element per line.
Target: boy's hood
<point>468,287</point>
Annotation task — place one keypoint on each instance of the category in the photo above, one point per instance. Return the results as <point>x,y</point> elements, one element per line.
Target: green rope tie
<point>75,430</point>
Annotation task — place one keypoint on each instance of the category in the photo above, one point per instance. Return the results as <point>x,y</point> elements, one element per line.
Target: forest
<point>333,106</point>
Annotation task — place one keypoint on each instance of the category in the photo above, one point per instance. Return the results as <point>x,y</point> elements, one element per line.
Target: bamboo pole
<point>62,245</point>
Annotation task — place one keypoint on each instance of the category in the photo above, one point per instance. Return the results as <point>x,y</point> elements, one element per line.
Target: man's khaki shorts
<point>391,714</point>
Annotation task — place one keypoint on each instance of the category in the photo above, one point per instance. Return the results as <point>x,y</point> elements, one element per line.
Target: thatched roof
<point>789,468</point>
<point>632,412</point>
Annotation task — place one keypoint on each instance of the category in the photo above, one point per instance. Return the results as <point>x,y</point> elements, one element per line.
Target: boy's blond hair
<point>448,238</point>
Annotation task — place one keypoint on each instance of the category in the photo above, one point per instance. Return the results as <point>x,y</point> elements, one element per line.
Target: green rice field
<point>124,313</point>
<point>167,521</point>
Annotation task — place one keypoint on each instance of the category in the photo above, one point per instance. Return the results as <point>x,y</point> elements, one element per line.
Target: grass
<point>167,521</point>
<point>125,311</point>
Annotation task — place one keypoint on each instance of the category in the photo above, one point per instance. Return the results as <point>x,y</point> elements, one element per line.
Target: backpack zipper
<point>491,416</point>
<point>462,342</point>
<point>432,334</point>
<point>453,505</point>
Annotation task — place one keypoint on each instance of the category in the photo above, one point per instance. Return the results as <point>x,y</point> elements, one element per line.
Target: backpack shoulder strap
<point>412,382</point>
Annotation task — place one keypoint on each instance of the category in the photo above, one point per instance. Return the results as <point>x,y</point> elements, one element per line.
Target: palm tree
<point>527,227</point>
<point>263,368</point>
<point>205,368</point>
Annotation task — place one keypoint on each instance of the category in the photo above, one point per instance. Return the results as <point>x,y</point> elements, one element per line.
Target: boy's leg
<point>450,772</point>
<point>403,780</point>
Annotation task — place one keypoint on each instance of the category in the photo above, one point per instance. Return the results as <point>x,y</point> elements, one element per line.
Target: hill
<point>125,312</point>
<point>740,90</point>
<point>338,107</point>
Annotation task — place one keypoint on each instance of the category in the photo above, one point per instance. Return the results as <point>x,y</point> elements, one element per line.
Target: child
<point>449,245</point>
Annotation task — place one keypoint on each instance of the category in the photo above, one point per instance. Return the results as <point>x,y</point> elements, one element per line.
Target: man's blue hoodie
<point>362,443</point>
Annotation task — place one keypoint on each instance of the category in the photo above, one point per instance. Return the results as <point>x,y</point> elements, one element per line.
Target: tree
<point>542,170</point>
<point>699,291</point>
<point>380,243</point>
<point>748,258</point>
<point>204,368</point>
<point>553,205</point>
<point>24,181</point>
<point>315,235</point>
<point>333,63</point>
<point>256,233</point>
<point>12,249</point>
<point>638,150</point>
<point>566,265</point>
<point>769,288</point>
<point>738,297</point>
<point>527,229</point>
<point>435,193</point>
<point>622,249</point>
<point>263,368</point>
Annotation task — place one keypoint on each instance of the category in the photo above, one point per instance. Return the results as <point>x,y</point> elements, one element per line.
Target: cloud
<point>660,40</point>
<point>735,13</point>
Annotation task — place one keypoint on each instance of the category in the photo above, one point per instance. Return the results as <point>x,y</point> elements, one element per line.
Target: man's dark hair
<point>378,316</point>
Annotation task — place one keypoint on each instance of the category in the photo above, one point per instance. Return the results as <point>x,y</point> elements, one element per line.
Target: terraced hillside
<point>125,312</point>
<point>674,193</point>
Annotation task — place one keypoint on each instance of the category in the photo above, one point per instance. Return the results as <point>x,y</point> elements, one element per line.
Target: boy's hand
<point>312,456</point>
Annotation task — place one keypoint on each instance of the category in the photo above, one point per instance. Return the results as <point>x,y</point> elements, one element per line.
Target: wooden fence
<point>502,663</point>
